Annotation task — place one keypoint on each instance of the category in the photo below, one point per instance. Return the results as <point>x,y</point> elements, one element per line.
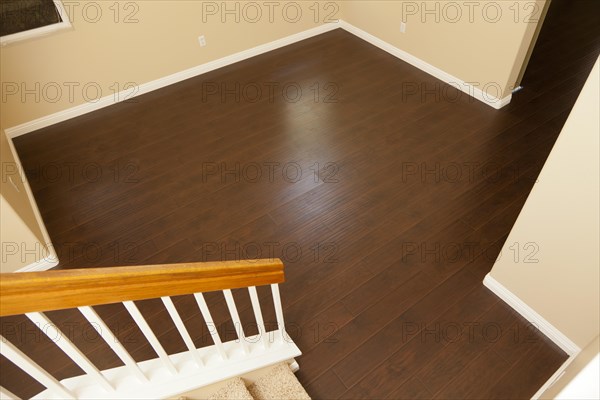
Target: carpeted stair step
<point>279,383</point>
<point>234,389</point>
<point>274,383</point>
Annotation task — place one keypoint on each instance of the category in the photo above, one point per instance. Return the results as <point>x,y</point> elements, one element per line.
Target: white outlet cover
<point>402,27</point>
<point>202,40</point>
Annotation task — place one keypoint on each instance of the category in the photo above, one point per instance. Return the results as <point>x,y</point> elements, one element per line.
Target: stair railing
<point>34,293</point>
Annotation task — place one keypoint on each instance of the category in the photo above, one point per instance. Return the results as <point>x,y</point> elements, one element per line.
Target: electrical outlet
<point>402,27</point>
<point>202,41</point>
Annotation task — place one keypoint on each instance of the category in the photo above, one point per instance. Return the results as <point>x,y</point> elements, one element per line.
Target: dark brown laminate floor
<point>387,209</point>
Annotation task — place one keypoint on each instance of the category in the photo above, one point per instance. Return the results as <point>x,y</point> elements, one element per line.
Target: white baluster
<point>62,341</point>
<point>21,360</point>
<point>182,329</point>
<point>235,317</point>
<point>279,311</point>
<point>260,323</point>
<point>145,328</point>
<point>6,394</point>
<point>210,324</point>
<point>108,336</point>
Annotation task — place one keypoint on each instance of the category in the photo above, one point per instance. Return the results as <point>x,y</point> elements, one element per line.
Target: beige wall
<point>22,238</point>
<point>575,367</point>
<point>482,44</point>
<point>21,247</point>
<point>535,36</point>
<point>136,42</point>
<point>561,218</point>
<point>110,47</point>
<point>163,41</point>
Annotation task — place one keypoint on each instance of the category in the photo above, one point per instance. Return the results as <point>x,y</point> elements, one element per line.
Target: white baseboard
<point>144,88</point>
<point>41,265</point>
<point>531,315</point>
<point>555,377</point>
<point>426,67</point>
<point>51,260</point>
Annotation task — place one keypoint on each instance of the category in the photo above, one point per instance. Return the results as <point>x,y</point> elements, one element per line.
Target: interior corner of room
<point>541,227</point>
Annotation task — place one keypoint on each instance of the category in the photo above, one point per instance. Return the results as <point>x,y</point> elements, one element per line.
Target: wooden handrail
<point>56,290</point>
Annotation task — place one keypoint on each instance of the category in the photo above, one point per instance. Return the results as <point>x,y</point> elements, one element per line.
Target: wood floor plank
<point>530,372</point>
<point>328,387</point>
<point>456,357</point>
<point>425,339</point>
<point>412,389</point>
<point>387,237</point>
<point>481,373</point>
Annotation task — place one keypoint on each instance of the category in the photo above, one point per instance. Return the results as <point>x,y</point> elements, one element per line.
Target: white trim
<point>6,394</point>
<point>554,378</point>
<point>41,31</point>
<point>144,88</point>
<point>531,315</point>
<point>42,265</point>
<point>426,67</point>
<point>51,260</point>
<point>584,385</point>
<point>294,366</point>
<point>190,376</point>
